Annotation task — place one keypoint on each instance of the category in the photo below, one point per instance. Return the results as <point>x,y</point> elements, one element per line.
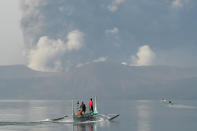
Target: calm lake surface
<point>135,115</point>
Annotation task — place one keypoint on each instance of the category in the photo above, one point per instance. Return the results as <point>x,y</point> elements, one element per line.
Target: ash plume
<point>46,56</point>
<point>110,28</point>
<point>145,56</point>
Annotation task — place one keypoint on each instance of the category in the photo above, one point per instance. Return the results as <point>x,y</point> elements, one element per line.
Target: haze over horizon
<point>62,34</point>
<point>138,57</point>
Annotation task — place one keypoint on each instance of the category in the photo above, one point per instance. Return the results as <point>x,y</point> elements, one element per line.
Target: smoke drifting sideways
<point>64,33</point>
<point>45,24</point>
<point>45,47</point>
<point>46,56</point>
<point>145,56</point>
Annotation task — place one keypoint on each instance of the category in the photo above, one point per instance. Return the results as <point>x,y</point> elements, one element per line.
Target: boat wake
<point>69,120</point>
<point>179,106</point>
<point>66,120</point>
<point>20,123</point>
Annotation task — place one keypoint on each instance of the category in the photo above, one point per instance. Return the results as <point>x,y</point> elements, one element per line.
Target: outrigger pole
<point>95,108</point>
<point>73,112</point>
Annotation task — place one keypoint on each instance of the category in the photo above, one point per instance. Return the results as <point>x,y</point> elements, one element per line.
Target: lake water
<point>135,115</point>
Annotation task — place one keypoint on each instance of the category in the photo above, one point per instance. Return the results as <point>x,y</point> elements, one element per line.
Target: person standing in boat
<point>78,107</point>
<point>90,103</point>
<point>83,108</point>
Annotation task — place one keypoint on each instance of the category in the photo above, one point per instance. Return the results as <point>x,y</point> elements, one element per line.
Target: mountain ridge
<point>106,80</point>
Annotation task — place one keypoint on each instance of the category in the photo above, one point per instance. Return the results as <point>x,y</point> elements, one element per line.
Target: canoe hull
<point>85,117</point>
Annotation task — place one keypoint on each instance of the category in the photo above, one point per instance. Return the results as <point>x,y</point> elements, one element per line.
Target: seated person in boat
<point>79,112</point>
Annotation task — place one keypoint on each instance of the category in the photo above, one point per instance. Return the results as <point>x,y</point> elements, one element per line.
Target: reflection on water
<point>91,126</point>
<point>36,109</point>
<point>143,114</point>
<point>85,127</point>
<point>25,115</point>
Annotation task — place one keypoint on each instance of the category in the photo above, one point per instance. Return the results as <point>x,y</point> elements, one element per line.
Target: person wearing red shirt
<point>90,103</point>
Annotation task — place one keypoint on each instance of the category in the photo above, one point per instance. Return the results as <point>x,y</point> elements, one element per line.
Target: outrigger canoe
<point>91,116</point>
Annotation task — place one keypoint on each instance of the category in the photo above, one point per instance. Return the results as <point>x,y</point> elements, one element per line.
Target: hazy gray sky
<point>11,39</point>
<point>66,33</point>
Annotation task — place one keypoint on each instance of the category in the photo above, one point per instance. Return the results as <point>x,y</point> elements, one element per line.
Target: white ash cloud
<point>46,46</point>
<point>98,60</point>
<point>124,63</point>
<point>75,40</point>
<point>46,56</point>
<point>144,57</point>
<point>32,21</point>
<point>109,29</point>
